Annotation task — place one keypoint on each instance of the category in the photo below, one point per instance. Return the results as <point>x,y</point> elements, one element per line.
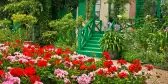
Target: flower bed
<point>32,64</point>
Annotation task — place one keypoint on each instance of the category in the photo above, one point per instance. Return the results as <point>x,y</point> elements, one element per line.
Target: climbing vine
<point>118,7</point>
<point>90,8</point>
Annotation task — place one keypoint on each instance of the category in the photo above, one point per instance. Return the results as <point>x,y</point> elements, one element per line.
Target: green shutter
<point>139,8</point>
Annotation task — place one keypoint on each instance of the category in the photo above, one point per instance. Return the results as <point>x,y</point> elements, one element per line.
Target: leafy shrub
<point>65,27</point>
<point>112,40</point>
<point>8,35</point>
<point>49,37</point>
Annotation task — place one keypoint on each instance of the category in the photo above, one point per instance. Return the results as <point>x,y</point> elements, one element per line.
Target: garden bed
<point>32,64</point>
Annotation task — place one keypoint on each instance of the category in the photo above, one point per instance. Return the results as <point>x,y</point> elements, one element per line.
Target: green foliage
<point>22,6</point>
<point>7,35</point>
<point>119,7</point>
<point>23,18</point>
<point>150,7</point>
<point>113,41</point>
<point>79,21</point>
<point>90,8</point>
<point>5,23</point>
<point>27,20</point>
<point>65,27</point>
<point>49,37</point>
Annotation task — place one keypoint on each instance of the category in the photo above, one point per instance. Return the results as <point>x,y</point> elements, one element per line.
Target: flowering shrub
<point>32,64</point>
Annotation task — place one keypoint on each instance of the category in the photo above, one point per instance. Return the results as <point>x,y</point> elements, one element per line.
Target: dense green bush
<point>65,28</point>
<point>7,35</point>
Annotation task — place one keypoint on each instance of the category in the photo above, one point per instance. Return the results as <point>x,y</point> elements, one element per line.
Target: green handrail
<point>85,33</point>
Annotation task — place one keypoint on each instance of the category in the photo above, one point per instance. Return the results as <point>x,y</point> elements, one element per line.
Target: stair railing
<point>85,33</point>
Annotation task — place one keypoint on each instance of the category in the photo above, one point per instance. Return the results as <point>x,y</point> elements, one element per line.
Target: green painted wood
<point>82,8</point>
<point>158,8</point>
<point>89,38</point>
<point>139,8</point>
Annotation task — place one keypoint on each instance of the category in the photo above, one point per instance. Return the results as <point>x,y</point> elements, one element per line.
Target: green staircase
<point>89,38</point>
<point>93,45</point>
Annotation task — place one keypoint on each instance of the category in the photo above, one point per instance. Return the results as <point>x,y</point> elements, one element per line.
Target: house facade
<point>133,9</point>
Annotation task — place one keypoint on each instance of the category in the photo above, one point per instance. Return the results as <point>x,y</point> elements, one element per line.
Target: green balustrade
<point>85,33</point>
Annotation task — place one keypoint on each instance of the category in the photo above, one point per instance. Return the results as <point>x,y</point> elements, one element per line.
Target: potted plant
<point>113,43</point>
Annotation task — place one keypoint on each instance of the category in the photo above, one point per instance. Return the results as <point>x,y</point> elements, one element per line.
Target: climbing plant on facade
<point>118,7</point>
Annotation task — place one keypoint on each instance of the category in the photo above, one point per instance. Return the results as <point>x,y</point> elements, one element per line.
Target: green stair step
<point>90,53</point>
<point>92,49</point>
<point>97,35</point>
<point>95,38</point>
<point>94,41</point>
<point>92,45</point>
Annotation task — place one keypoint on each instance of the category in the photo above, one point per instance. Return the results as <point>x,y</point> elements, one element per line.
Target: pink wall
<point>132,8</point>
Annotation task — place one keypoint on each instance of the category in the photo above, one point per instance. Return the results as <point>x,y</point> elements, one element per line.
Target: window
<point>97,9</point>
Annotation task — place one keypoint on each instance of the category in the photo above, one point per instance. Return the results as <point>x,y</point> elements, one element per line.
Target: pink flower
<point>7,82</point>
<point>73,76</point>
<point>7,76</point>
<point>37,82</point>
<point>15,80</point>
<point>9,79</point>
<point>84,79</point>
<point>66,80</point>
<point>60,73</point>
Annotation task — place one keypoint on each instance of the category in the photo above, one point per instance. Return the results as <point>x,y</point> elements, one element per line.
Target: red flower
<point>58,62</point>
<point>83,67</point>
<point>33,79</point>
<point>134,68</point>
<point>30,63</point>
<point>81,57</point>
<point>66,58</point>
<point>17,72</point>
<point>112,69</point>
<point>123,74</point>
<point>136,62</point>
<point>30,71</point>
<point>59,51</point>
<point>18,41</point>
<point>121,62</point>
<point>67,51</point>
<point>75,62</point>
<point>106,55</point>
<point>6,43</point>
<point>90,60</point>
<point>100,72</point>
<point>1,72</point>
<point>29,54</point>
<point>47,55</point>
<point>149,67</point>
<point>92,67</point>
<point>0,62</point>
<point>42,63</point>
<point>108,64</point>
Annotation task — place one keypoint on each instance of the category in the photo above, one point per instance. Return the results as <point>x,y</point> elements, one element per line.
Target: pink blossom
<point>66,80</point>
<point>7,76</point>
<point>7,82</point>
<point>15,80</point>
<point>37,82</point>
<point>84,79</point>
<point>60,73</point>
<point>12,58</point>
<point>73,76</point>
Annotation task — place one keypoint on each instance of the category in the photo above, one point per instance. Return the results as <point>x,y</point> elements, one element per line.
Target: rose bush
<point>26,63</point>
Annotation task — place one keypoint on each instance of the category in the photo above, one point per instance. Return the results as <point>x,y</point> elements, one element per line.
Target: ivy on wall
<point>118,7</point>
